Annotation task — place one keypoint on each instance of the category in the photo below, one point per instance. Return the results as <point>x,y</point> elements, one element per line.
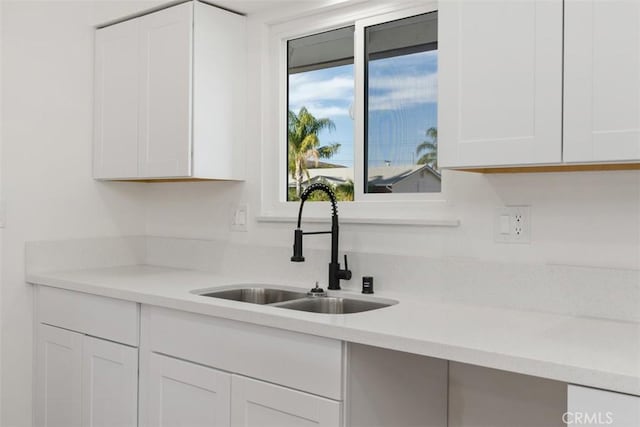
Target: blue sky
<point>402,105</point>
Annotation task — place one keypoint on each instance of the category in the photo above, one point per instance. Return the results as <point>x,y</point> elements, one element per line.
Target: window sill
<point>410,222</point>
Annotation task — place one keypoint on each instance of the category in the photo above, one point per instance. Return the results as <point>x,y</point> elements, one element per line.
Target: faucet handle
<point>346,273</point>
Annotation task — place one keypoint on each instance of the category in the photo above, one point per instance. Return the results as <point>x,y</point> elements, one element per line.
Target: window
<point>320,113</point>
<point>401,114</point>
<point>362,111</point>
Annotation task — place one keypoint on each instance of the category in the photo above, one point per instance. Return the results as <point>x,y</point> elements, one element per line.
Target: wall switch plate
<point>239,218</point>
<point>512,224</point>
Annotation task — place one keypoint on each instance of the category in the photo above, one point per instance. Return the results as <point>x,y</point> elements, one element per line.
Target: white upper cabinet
<point>170,95</point>
<point>117,77</point>
<point>500,82</point>
<point>602,81</point>
<point>165,93</point>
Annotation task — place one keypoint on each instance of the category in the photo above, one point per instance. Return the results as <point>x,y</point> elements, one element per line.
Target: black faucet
<point>335,273</point>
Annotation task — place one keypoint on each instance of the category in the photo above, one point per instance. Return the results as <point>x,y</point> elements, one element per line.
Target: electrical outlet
<point>239,218</point>
<point>512,224</point>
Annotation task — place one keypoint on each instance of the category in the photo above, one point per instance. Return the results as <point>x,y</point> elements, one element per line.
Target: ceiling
<point>249,7</point>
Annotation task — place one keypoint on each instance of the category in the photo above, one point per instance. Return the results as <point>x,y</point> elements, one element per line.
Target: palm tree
<point>302,134</point>
<point>345,191</point>
<point>430,149</point>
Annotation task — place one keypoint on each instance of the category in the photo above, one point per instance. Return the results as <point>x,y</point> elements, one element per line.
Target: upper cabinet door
<point>116,101</point>
<point>500,82</point>
<point>602,81</point>
<point>110,384</point>
<point>165,100</point>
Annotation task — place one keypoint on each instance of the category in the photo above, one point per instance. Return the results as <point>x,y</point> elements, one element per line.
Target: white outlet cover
<point>512,224</point>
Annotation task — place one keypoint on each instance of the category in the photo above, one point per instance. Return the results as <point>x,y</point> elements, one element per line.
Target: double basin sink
<point>296,300</point>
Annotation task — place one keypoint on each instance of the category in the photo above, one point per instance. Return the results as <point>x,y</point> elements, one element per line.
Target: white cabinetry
<point>109,383</point>
<point>82,380</point>
<point>183,393</point>
<point>59,378</point>
<point>205,369</point>
<point>192,386</point>
<point>259,404</point>
<point>592,407</point>
<point>116,74</point>
<point>170,95</point>
<point>165,92</point>
<point>503,97</point>
<point>500,82</point>
<point>602,81</point>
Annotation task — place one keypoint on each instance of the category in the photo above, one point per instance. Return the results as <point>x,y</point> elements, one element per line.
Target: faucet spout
<point>335,272</point>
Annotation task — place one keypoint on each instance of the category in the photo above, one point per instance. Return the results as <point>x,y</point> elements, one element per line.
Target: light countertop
<point>579,350</point>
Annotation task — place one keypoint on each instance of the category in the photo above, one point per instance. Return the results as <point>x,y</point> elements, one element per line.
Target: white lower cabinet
<point>593,407</point>
<point>109,383</point>
<point>59,378</point>
<point>260,404</point>
<point>86,360</point>
<point>186,394</point>
<point>84,381</point>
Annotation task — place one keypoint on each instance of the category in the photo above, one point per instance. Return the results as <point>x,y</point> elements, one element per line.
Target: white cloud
<point>321,111</point>
<point>304,91</point>
<point>403,91</point>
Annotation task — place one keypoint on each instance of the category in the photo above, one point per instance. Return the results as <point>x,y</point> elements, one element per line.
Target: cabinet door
<point>58,378</point>
<point>165,108</point>
<point>183,394</point>
<point>259,404</point>
<point>592,407</point>
<point>117,54</point>
<point>602,80</point>
<point>500,82</point>
<point>110,384</point>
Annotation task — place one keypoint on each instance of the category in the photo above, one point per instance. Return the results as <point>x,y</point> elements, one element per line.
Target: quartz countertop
<point>579,350</point>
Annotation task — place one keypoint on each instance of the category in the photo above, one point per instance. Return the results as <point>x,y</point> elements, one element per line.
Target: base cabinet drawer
<point>84,381</point>
<point>593,407</point>
<point>259,404</point>
<point>98,316</point>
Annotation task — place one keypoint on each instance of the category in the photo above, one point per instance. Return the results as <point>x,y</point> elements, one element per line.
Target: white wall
<point>47,69</point>
<point>587,218</point>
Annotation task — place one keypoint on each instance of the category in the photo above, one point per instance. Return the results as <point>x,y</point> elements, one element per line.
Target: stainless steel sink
<point>256,295</point>
<point>293,299</point>
<point>333,305</point>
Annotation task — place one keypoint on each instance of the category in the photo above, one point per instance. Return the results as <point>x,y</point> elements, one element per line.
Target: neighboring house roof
<point>337,176</point>
<point>386,176</point>
<point>311,164</point>
<point>381,177</point>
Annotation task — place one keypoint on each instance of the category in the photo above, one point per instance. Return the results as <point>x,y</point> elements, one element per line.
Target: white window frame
<point>399,208</point>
